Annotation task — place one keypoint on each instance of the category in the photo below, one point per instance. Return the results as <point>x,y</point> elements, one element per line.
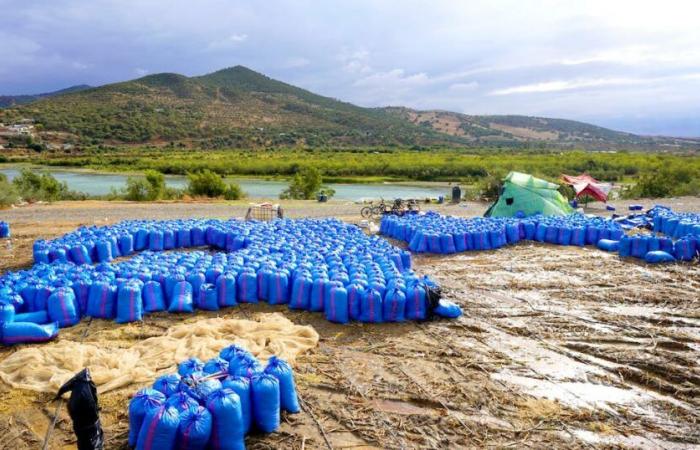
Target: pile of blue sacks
<point>212,405</point>
<point>4,230</point>
<point>435,233</point>
<point>321,265</point>
<point>676,238</point>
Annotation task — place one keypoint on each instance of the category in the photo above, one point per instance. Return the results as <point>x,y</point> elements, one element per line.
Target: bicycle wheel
<point>366,212</point>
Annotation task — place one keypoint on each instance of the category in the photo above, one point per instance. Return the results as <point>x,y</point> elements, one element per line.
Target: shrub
<point>8,193</point>
<point>156,185</point>
<point>206,183</point>
<point>490,187</point>
<point>33,187</point>
<point>136,189</point>
<point>306,185</point>
<point>234,192</point>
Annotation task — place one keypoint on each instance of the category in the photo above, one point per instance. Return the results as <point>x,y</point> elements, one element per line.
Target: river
<point>95,183</point>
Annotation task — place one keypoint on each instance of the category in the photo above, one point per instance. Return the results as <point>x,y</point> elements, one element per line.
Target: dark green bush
<point>234,192</point>
<point>206,183</point>
<point>34,187</point>
<point>306,185</point>
<point>8,193</point>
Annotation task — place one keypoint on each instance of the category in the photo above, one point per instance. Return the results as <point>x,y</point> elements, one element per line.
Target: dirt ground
<point>559,347</point>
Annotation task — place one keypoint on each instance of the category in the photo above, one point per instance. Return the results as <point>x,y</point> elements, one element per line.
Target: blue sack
<point>195,429</point>
<point>208,299</point>
<point>21,332</point>
<point>281,370</point>
<point>102,300</point>
<point>153,298</point>
<point>167,384</point>
<point>625,246</point>
<point>126,244</point>
<point>355,293</point>
<point>104,251</point>
<point>371,306</point>
<point>416,303</point>
<point>608,245</point>
<point>7,312</point>
<point>394,306</point>
<point>278,288</point>
<point>159,429</point>
<point>40,317</point>
<point>265,390</point>
<point>63,308</point>
<point>658,256</point>
<point>144,401</point>
<point>301,293</point>
<point>448,309</point>
<point>80,255</point>
<point>247,287</point>
<point>181,300</point>
<point>318,288</point>
<point>215,365</point>
<point>228,428</point>
<point>226,289</point>
<point>181,401</point>
<point>336,307</point>
<point>241,386</point>
<point>190,366</point>
<point>129,304</point>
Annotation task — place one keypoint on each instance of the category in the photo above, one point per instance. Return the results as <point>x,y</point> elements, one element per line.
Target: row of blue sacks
<point>435,233</point>
<point>673,224</point>
<point>654,249</point>
<point>4,230</point>
<point>89,245</point>
<point>304,269</point>
<point>212,405</point>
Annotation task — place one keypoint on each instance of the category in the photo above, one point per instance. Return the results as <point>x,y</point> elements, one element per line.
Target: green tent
<point>523,192</point>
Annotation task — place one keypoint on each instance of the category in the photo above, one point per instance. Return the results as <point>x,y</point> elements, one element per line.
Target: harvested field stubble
<point>560,347</point>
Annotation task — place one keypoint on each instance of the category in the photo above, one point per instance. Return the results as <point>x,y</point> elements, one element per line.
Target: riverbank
<point>101,184</point>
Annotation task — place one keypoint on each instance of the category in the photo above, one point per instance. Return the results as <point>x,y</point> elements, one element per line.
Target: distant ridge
<point>7,101</point>
<point>240,108</point>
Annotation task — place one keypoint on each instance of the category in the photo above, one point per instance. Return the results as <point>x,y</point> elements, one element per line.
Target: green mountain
<point>234,107</point>
<point>7,101</point>
<point>240,108</point>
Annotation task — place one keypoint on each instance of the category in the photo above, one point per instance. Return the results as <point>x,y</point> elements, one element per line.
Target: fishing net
<point>45,368</point>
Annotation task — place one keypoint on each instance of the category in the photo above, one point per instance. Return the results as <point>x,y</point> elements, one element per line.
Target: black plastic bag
<point>433,294</point>
<point>84,411</point>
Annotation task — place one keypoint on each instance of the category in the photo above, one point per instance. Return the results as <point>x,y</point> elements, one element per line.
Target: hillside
<point>240,108</point>
<point>234,107</point>
<point>7,101</point>
<point>509,130</point>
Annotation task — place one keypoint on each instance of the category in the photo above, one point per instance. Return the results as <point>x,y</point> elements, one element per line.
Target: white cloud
<point>140,72</point>
<point>228,42</point>
<point>295,62</point>
<point>393,78</point>
<point>464,87</point>
<point>568,85</point>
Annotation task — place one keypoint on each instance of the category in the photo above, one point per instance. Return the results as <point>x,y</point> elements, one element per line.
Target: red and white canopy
<point>587,185</point>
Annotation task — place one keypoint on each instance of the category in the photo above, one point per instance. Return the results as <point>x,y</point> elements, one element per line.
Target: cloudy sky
<point>631,65</point>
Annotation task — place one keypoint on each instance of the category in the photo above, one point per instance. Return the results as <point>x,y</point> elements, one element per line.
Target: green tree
<point>305,185</point>
<point>206,183</point>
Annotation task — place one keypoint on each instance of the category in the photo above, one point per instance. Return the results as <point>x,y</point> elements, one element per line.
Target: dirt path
<point>560,347</point>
